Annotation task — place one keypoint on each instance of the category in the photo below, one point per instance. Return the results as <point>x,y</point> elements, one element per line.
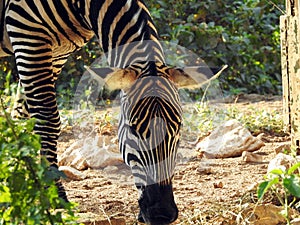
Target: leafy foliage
<point>284,183</point>
<point>243,34</point>
<point>28,194</point>
<point>203,118</point>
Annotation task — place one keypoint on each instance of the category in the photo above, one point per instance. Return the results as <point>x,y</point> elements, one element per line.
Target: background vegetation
<point>243,34</point>
<point>28,194</point>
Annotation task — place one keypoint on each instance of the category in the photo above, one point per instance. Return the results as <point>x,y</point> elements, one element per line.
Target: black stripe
<point>7,51</point>
<point>42,72</point>
<point>95,7</point>
<point>28,37</point>
<point>49,11</point>
<point>21,11</point>
<point>29,44</point>
<point>120,26</point>
<point>35,65</point>
<point>19,24</point>
<point>108,19</point>
<point>141,176</point>
<point>62,12</point>
<point>34,58</point>
<point>132,157</point>
<point>36,11</point>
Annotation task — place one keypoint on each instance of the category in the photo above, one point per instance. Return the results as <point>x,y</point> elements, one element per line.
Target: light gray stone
<point>251,157</point>
<point>72,173</point>
<point>72,157</point>
<point>282,161</point>
<point>229,140</point>
<point>286,146</point>
<point>91,152</point>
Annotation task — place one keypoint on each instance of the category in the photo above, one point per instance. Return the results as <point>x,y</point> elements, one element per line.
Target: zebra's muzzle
<point>157,205</point>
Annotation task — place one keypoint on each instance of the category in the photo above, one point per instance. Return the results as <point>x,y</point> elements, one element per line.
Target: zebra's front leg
<point>37,80</point>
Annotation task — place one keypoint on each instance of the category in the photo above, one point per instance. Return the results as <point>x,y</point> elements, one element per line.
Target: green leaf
<point>292,184</point>
<point>264,187</point>
<point>7,214</point>
<point>7,79</point>
<point>4,194</point>
<point>293,168</point>
<point>277,172</point>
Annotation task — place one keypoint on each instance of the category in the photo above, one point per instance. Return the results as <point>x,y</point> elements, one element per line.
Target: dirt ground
<point>207,191</point>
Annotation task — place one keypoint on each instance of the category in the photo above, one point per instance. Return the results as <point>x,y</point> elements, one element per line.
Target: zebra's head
<point>150,122</point>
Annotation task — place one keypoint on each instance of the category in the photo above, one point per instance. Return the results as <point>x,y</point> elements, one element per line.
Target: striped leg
<point>36,76</point>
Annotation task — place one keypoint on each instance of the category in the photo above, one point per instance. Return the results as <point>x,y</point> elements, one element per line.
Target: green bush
<point>203,118</point>
<point>28,194</point>
<point>285,185</point>
<point>243,34</point>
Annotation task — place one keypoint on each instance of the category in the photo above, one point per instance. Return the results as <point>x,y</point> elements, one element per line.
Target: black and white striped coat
<point>41,34</point>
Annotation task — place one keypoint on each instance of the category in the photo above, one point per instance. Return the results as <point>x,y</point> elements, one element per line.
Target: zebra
<point>42,34</point>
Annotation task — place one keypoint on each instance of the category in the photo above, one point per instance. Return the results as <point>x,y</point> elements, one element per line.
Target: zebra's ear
<point>120,79</point>
<point>193,77</point>
<point>114,78</point>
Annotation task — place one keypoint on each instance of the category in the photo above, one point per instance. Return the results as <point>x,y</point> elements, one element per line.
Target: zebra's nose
<point>157,205</point>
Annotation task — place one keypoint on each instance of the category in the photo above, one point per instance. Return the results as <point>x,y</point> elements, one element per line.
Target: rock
<point>218,184</point>
<point>100,156</point>
<point>204,170</point>
<point>251,157</point>
<point>185,154</point>
<point>282,147</point>
<point>266,214</point>
<point>91,152</point>
<point>72,157</point>
<point>111,169</point>
<point>72,173</point>
<point>229,140</point>
<point>281,161</point>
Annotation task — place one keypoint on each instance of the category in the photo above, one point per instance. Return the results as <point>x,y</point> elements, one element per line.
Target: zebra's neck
<point>129,37</point>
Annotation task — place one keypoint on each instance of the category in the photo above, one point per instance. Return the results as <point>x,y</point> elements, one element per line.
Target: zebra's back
<point>55,23</point>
